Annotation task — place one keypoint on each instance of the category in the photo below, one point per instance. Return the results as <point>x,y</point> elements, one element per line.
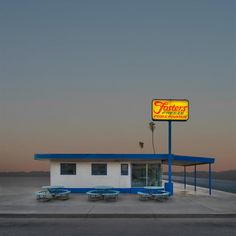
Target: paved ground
<point>117,227</point>
<point>17,197</point>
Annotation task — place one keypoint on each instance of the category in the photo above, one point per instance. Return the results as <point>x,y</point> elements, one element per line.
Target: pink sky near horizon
<point>19,156</point>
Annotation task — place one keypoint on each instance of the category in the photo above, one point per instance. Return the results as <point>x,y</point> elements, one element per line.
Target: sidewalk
<point>22,203</point>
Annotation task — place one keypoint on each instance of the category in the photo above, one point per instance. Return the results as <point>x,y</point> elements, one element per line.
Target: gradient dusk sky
<point>79,77</point>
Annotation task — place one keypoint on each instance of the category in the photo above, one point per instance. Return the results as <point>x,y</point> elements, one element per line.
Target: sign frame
<point>166,99</point>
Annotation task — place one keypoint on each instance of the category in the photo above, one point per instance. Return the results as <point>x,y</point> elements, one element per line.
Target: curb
<point>52,215</point>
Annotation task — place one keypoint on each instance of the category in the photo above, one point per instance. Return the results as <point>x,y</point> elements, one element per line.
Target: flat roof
<point>179,160</point>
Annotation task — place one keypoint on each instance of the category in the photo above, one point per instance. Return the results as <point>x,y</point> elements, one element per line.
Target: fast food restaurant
<point>128,173</point>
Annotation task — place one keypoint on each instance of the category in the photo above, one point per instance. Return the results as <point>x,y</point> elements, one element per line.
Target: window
<point>99,169</point>
<point>146,175</point>
<point>124,169</point>
<point>68,169</point>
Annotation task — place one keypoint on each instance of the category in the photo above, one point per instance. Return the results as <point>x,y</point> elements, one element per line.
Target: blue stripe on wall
<point>122,190</point>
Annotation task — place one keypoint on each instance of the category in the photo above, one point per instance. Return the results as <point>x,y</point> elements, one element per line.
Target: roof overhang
<point>178,160</point>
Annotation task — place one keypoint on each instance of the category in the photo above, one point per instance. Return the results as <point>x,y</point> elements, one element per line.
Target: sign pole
<point>169,184</point>
<point>170,110</point>
<point>170,134</point>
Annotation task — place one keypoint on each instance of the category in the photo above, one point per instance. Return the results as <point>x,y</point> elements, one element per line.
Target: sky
<point>79,77</point>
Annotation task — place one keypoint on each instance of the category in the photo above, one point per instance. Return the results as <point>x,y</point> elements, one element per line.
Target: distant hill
<point>26,174</point>
<point>225,175</point>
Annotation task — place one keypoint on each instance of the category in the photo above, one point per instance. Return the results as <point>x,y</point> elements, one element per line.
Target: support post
<point>184,177</point>
<point>195,178</point>
<point>209,178</point>
<point>146,174</point>
<point>170,137</point>
<point>169,185</point>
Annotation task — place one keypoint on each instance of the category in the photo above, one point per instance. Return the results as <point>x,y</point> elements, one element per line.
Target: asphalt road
<point>118,227</point>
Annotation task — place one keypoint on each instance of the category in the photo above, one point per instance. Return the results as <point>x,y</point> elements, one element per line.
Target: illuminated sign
<point>177,110</point>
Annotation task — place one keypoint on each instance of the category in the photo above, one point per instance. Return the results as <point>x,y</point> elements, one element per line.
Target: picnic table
<point>153,192</point>
<point>52,188</point>
<point>103,192</point>
<point>154,189</point>
<point>52,192</point>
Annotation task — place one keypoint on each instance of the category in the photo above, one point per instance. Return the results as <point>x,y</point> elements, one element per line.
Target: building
<point>128,173</point>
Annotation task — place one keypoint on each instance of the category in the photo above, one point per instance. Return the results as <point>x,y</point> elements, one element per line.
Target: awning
<point>178,160</point>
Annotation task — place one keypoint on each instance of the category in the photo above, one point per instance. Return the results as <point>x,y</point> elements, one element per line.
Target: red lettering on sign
<point>163,106</point>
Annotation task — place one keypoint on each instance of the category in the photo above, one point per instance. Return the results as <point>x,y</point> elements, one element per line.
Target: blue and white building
<point>125,172</point>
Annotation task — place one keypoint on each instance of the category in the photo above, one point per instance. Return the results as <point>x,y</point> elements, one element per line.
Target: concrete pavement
<point>19,201</point>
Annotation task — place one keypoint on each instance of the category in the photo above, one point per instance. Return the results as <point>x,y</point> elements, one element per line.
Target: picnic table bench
<point>102,192</point>
<point>153,192</point>
<point>52,192</point>
<point>161,196</point>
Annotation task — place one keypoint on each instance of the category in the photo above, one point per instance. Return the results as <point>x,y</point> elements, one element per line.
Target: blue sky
<point>79,76</point>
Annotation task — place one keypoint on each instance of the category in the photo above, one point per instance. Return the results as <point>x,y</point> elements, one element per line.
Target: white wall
<point>84,178</point>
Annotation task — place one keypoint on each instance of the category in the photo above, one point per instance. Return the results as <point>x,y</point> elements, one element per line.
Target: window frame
<point>122,171</point>
<point>100,164</point>
<point>74,172</point>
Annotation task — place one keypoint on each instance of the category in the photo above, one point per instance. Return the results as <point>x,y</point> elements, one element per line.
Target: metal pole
<point>169,184</point>
<point>170,133</point>
<point>184,177</point>
<point>169,156</point>
<point>195,178</point>
<point>209,178</point>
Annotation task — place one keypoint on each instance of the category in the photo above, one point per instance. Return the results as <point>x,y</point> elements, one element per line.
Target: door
<point>139,175</point>
<point>146,175</point>
<point>154,175</point>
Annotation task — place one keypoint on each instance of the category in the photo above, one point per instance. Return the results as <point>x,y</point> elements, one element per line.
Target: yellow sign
<point>177,110</point>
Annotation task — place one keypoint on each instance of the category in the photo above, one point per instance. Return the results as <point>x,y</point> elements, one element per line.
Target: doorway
<point>146,175</point>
